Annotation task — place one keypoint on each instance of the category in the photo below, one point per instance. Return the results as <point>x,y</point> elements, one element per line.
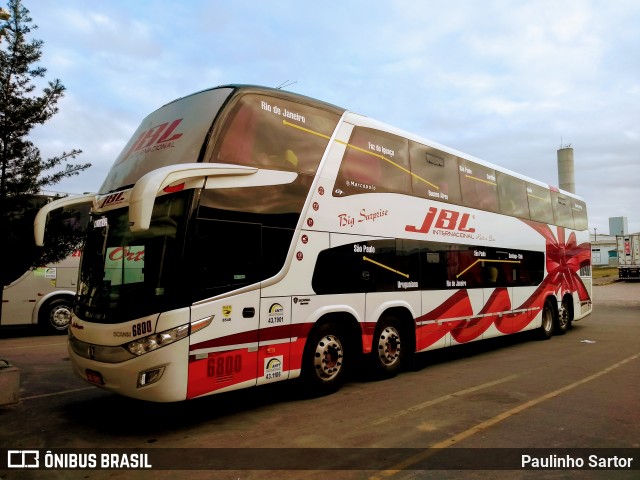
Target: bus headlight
<point>157,340</point>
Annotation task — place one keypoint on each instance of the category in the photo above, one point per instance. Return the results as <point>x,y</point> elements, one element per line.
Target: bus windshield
<point>127,275</point>
<point>171,135</point>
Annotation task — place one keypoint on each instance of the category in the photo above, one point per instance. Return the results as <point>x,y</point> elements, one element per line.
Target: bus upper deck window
<point>274,133</point>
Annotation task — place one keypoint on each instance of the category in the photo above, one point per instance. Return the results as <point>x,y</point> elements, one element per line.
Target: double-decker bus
<point>247,235</point>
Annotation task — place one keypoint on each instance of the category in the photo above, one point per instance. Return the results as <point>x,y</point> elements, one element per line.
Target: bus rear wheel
<point>55,316</point>
<point>565,316</point>
<point>548,321</point>
<point>387,350</point>
<point>323,362</point>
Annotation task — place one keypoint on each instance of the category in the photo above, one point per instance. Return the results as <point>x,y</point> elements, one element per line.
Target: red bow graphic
<point>564,259</point>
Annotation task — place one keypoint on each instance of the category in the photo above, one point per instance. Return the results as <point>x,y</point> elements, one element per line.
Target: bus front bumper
<point>158,376</point>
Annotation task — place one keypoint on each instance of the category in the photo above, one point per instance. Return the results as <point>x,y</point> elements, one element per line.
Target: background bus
<point>248,235</point>
<point>42,296</point>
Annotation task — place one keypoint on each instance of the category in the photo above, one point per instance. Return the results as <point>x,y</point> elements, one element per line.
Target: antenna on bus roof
<point>284,84</point>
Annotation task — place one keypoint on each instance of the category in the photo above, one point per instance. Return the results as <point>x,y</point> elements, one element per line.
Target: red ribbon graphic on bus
<point>564,258</point>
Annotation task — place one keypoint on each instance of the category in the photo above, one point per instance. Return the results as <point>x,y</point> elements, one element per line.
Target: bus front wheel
<point>55,316</point>
<point>323,368</point>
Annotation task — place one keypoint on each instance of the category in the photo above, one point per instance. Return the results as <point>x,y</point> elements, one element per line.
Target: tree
<point>24,174</point>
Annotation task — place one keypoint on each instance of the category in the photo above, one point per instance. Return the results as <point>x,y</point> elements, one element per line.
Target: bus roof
<point>276,91</point>
<point>381,125</point>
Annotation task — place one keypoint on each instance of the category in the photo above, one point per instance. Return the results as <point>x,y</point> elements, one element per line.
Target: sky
<point>509,82</point>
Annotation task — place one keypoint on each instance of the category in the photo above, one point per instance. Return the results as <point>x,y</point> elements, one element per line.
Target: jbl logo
<point>157,135</point>
<point>445,219</point>
<point>113,198</point>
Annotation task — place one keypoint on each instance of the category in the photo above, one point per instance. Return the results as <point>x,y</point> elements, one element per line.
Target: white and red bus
<point>246,235</point>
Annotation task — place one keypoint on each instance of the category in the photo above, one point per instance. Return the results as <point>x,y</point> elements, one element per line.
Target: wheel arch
<point>333,341</point>
<point>570,301</point>
<point>546,328</point>
<point>406,320</point>
<point>554,301</point>
<point>346,321</point>
<point>47,299</point>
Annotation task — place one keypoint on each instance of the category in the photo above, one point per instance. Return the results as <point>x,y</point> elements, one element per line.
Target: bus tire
<point>55,316</point>
<point>565,316</point>
<point>549,316</point>
<point>323,365</point>
<point>388,349</point>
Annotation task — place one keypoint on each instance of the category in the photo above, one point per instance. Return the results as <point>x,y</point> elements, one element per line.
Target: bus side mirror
<point>40,222</point>
<point>145,191</point>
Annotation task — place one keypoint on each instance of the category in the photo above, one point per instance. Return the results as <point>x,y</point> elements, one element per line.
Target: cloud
<point>504,81</point>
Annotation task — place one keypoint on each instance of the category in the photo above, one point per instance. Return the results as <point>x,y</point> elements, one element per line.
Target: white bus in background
<point>247,235</point>
<point>42,296</point>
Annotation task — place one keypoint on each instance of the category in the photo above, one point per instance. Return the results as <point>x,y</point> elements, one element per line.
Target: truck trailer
<point>628,247</point>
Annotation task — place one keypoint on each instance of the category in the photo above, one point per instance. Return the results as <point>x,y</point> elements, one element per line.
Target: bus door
<point>224,355</point>
<point>274,340</point>
<point>226,258</point>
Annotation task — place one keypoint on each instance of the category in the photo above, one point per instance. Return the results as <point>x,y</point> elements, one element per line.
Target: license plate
<point>94,377</point>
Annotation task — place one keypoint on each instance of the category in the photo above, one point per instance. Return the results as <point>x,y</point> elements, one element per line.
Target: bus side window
<point>478,186</point>
<point>366,266</point>
<point>433,267</point>
<point>562,210</point>
<point>275,133</point>
<point>463,266</point>
<point>238,139</point>
<point>341,270</point>
<point>434,174</point>
<point>512,195</point>
<point>579,214</point>
<point>374,161</point>
<point>408,263</point>
<point>539,199</point>
<point>361,168</point>
<point>229,257</point>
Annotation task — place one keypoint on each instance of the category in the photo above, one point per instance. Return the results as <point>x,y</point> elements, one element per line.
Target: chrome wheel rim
<point>389,346</point>
<point>60,317</point>
<point>328,357</point>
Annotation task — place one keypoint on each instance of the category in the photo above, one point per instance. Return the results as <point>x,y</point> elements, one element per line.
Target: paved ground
<point>580,390</point>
